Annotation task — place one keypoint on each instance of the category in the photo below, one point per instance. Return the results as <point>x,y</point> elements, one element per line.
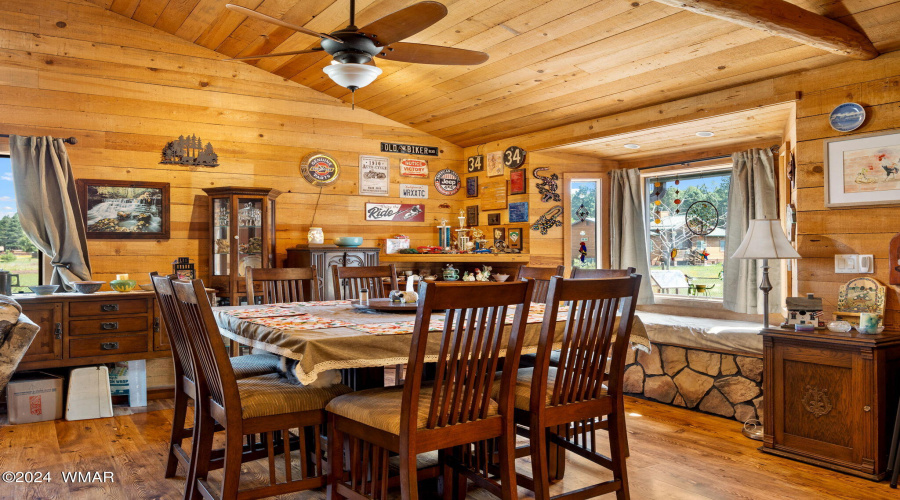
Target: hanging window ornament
<point>582,249</point>
<point>582,213</point>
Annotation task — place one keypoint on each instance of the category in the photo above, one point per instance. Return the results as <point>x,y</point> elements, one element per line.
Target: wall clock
<point>319,169</point>
<point>513,157</point>
<point>702,218</point>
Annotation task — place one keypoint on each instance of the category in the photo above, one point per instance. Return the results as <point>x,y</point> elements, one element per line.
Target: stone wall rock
<point>744,412</point>
<point>715,402</point>
<point>634,379</point>
<point>751,368</point>
<point>704,362</point>
<point>673,359</point>
<point>660,388</point>
<point>738,389</point>
<point>728,365</point>
<point>650,361</point>
<point>692,386</point>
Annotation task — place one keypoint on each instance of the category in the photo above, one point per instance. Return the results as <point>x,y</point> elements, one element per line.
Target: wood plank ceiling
<point>552,62</point>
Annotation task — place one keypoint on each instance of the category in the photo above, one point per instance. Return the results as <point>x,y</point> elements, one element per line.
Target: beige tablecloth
<point>319,350</point>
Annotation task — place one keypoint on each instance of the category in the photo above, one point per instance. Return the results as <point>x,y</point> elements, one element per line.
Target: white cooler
<point>89,395</point>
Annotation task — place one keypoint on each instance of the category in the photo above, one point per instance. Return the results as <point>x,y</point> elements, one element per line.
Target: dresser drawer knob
<point>867,408</point>
<point>109,346</point>
<point>112,325</point>
<point>109,307</point>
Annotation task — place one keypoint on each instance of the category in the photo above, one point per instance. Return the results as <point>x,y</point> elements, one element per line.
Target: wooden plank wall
<point>69,68</point>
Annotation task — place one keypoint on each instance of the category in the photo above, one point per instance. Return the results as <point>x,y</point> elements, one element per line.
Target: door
<point>47,345</point>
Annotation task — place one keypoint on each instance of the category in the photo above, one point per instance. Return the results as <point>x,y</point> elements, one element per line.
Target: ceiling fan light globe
<point>352,75</point>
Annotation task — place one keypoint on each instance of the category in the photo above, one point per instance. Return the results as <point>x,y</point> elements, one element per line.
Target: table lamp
<point>765,240</point>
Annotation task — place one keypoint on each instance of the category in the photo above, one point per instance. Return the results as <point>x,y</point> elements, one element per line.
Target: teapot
<point>451,273</point>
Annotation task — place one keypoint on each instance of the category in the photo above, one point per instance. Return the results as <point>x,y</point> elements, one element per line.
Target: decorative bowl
<point>87,287</point>
<point>501,277</point>
<point>123,285</point>
<point>44,289</point>
<point>348,241</point>
<point>147,287</point>
<point>864,331</point>
<point>839,326</point>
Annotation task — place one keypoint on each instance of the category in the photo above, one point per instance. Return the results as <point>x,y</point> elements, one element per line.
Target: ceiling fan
<point>352,49</point>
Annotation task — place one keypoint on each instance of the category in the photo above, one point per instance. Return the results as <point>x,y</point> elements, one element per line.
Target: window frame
<point>42,258</point>
<point>601,213</point>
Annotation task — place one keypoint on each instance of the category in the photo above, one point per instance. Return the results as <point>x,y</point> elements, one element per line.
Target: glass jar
<point>315,236</point>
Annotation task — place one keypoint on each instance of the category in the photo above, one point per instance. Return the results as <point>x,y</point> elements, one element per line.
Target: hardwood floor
<point>676,454</point>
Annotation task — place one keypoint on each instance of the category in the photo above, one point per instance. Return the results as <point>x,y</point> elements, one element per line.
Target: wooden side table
<point>828,398</point>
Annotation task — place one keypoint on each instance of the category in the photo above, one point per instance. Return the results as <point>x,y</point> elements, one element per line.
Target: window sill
<point>688,301</point>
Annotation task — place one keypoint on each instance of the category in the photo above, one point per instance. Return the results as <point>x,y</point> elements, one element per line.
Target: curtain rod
<point>686,162</point>
<point>70,140</point>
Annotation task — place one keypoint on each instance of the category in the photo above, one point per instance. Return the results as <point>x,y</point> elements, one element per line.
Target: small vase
<point>315,236</point>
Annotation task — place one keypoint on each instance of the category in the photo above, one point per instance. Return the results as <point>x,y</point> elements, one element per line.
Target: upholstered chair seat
<point>267,395</point>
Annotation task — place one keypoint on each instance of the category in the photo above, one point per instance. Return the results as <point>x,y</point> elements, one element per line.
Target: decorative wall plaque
<point>514,238</point>
<point>374,177</point>
<point>476,164</point>
<point>548,185</point>
<point>447,182</point>
<point>396,212</point>
<point>189,151</point>
<point>472,215</point>
<point>494,219</point>
<point>413,167</point>
<point>408,149</point>
<point>471,187</point>
<point>518,212</point>
<point>319,169</point>
<point>493,195</point>
<point>517,182</point>
<point>495,164</point>
<point>414,191</point>
<point>513,157</point>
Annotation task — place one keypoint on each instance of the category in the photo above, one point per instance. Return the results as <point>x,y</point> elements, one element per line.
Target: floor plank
<point>676,454</point>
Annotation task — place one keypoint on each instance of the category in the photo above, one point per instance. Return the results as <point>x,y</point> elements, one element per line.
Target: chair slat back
<point>171,318</point>
<point>581,274</point>
<point>541,277</point>
<point>212,365</point>
<point>287,284</point>
<point>348,281</point>
<point>589,330</point>
<point>472,342</point>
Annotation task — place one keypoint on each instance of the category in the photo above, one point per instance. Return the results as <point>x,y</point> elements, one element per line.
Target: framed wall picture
<point>518,212</point>
<point>472,215</point>
<point>124,209</point>
<point>499,237</point>
<point>374,177</point>
<point>494,164</point>
<point>494,219</point>
<point>493,195</point>
<point>471,187</point>
<point>517,182</point>
<point>514,238</point>
<point>863,170</point>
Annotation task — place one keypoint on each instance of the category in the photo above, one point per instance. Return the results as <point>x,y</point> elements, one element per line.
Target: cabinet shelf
<point>486,258</point>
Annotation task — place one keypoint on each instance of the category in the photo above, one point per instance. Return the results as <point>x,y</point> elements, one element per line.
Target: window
<point>18,255</point>
<point>584,230</point>
<point>683,262</point>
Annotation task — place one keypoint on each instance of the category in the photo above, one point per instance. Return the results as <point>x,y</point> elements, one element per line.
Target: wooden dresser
<point>831,398</point>
<point>103,327</point>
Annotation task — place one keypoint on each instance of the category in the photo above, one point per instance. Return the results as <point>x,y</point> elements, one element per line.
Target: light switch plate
<point>846,263</point>
<point>867,264</point>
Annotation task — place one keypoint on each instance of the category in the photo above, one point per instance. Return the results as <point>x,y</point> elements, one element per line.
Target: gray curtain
<point>627,233</point>
<point>48,205</point>
<point>752,195</point>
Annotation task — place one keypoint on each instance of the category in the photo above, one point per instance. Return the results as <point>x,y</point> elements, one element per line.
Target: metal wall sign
<point>414,191</point>
<point>374,175</point>
<point>319,169</point>
<point>412,167</point>
<point>513,157</point>
<point>447,182</point>
<point>396,212</point>
<point>408,149</point>
<point>189,151</point>
<point>476,163</point>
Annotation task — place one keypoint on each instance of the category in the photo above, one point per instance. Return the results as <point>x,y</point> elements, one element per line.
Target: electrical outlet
<point>866,264</point>
<point>846,263</point>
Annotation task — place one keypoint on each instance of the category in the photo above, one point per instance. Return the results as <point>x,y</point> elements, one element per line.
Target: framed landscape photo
<point>124,209</point>
<point>863,170</point>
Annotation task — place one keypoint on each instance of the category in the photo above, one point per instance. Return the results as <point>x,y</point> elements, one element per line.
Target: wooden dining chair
<point>454,410</point>
<point>265,405</point>
<point>250,365</point>
<point>285,284</point>
<point>348,281</point>
<point>541,277</point>
<point>560,405</point>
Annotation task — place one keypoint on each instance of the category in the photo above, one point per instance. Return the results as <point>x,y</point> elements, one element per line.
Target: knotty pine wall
<point>69,68</point>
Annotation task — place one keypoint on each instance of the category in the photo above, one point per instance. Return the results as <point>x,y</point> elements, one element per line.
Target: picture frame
<point>472,215</point>
<point>494,219</point>
<point>123,210</point>
<point>514,237</point>
<point>518,182</point>
<point>499,235</point>
<point>494,163</point>
<point>471,187</point>
<point>518,212</point>
<point>862,170</point>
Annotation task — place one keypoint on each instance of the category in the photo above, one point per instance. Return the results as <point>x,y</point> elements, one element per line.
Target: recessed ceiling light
<point>705,134</point>
<point>632,146</point>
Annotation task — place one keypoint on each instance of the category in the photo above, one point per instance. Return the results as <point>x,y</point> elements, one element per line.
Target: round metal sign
<point>447,182</point>
<point>320,169</point>
<point>514,157</point>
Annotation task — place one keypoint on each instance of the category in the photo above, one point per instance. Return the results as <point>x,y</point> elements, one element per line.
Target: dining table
<point>341,335</point>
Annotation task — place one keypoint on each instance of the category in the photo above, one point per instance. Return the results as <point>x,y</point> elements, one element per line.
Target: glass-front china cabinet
<point>242,234</point>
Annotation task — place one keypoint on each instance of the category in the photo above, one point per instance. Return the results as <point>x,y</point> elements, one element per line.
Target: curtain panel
<point>627,229</point>
<point>752,195</point>
<point>48,205</point>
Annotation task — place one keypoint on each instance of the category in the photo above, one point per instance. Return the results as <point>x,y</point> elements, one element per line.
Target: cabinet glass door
<point>249,234</point>
<point>221,236</point>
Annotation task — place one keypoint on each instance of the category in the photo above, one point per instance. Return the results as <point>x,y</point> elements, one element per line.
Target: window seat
<point>704,333</point>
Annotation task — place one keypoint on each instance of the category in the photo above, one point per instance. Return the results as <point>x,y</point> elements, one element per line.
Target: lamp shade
<point>765,240</point>
<point>352,76</point>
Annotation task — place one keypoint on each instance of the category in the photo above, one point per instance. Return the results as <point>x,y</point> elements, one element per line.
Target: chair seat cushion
<point>380,408</point>
<point>266,395</point>
<point>523,387</point>
<point>251,365</point>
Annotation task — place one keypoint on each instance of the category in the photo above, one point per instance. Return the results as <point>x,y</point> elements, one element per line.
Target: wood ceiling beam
<point>784,19</point>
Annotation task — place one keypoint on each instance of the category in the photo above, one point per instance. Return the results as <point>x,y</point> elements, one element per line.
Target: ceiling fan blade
<point>277,54</point>
<point>279,22</point>
<point>405,22</point>
<point>431,54</point>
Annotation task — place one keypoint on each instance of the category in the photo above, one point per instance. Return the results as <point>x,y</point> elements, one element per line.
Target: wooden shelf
<point>486,258</point>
